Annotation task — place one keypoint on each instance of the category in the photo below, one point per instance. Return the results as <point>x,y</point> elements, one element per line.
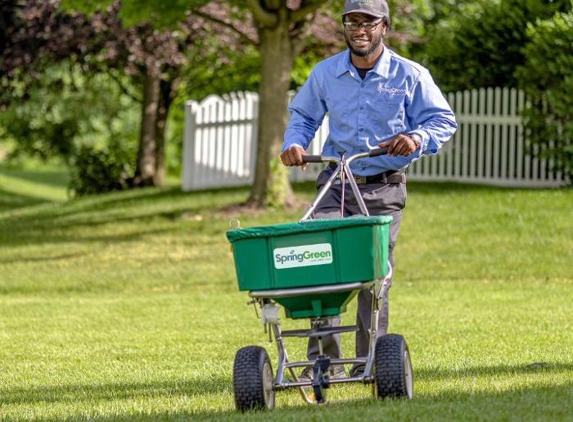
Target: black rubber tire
<point>394,378</point>
<point>253,379</point>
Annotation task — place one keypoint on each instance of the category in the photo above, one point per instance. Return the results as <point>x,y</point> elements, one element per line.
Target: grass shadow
<point>61,257</point>
<point>54,223</point>
<point>10,200</point>
<point>52,178</point>
<point>109,392</point>
<point>533,404</point>
<point>40,237</point>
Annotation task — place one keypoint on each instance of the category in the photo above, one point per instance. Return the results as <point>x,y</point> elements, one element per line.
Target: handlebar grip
<point>312,158</point>
<point>378,151</point>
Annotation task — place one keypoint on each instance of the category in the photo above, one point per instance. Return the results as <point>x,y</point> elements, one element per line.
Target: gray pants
<point>380,199</point>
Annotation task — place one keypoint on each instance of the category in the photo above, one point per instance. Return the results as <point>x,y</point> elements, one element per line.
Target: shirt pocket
<point>391,108</point>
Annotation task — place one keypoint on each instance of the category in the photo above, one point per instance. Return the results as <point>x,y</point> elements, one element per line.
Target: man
<point>374,98</point>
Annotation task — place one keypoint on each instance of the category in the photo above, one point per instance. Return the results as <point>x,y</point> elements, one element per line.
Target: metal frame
<point>377,287</point>
<point>317,331</point>
<point>343,172</point>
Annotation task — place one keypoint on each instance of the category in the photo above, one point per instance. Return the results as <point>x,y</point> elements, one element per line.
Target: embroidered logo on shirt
<point>389,90</point>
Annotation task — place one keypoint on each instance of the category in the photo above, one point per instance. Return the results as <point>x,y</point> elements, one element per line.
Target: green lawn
<point>125,306</point>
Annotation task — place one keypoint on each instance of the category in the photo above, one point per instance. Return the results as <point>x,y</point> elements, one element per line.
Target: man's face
<point>363,33</point>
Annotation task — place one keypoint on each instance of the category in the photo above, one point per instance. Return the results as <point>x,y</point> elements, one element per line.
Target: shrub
<point>547,80</point>
<point>481,45</point>
<point>100,170</point>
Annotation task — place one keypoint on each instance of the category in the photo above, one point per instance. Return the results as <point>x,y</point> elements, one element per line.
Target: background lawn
<point>125,306</point>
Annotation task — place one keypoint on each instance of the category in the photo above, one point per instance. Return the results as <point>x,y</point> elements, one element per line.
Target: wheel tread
<point>389,357</point>
<point>248,378</point>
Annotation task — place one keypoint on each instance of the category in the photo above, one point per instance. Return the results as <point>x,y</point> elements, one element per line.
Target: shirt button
<point>361,129</point>
<point>361,107</point>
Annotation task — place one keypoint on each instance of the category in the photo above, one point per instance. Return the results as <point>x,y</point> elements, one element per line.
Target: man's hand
<point>293,157</point>
<point>401,145</point>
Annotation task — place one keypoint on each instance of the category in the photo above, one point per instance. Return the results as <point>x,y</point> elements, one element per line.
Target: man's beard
<point>363,53</point>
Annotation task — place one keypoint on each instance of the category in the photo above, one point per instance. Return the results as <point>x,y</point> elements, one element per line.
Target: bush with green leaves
<point>65,108</point>
<point>547,80</point>
<point>96,170</point>
<point>481,45</point>
<point>66,111</point>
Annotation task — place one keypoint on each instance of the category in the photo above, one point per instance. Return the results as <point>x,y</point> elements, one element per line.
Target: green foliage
<point>97,170</point>
<point>481,45</point>
<point>67,112</point>
<point>547,80</point>
<point>65,109</point>
<point>227,71</point>
<point>302,67</point>
<point>162,14</point>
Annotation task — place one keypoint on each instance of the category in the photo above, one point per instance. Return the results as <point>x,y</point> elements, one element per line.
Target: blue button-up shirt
<point>396,96</point>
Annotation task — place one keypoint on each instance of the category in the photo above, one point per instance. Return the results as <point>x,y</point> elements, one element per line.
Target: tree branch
<point>124,87</point>
<point>307,7</point>
<point>260,15</point>
<point>229,25</point>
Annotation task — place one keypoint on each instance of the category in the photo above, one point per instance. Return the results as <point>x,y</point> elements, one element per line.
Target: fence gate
<point>220,141</point>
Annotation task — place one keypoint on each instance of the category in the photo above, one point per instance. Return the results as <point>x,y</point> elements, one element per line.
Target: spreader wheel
<point>253,379</point>
<point>393,367</point>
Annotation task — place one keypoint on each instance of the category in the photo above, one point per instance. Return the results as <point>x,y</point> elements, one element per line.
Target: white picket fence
<point>488,148</point>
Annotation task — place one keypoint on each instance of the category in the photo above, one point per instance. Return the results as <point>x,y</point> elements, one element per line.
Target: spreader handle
<point>378,151</point>
<point>320,159</point>
<point>312,158</point>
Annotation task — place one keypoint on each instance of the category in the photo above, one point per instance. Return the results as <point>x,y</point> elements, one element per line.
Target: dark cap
<point>377,8</point>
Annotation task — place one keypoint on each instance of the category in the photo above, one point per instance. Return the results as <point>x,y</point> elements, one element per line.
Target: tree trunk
<point>271,185</point>
<point>166,89</point>
<point>146,163</point>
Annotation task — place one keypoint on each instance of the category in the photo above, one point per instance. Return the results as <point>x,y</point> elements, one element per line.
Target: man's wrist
<point>292,146</point>
<point>417,140</point>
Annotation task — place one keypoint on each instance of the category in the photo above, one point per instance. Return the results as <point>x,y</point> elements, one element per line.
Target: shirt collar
<point>382,68</point>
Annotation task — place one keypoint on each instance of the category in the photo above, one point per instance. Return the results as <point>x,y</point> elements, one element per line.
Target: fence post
<point>189,145</point>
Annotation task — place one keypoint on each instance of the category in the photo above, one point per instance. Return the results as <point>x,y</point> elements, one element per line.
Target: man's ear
<point>386,21</point>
